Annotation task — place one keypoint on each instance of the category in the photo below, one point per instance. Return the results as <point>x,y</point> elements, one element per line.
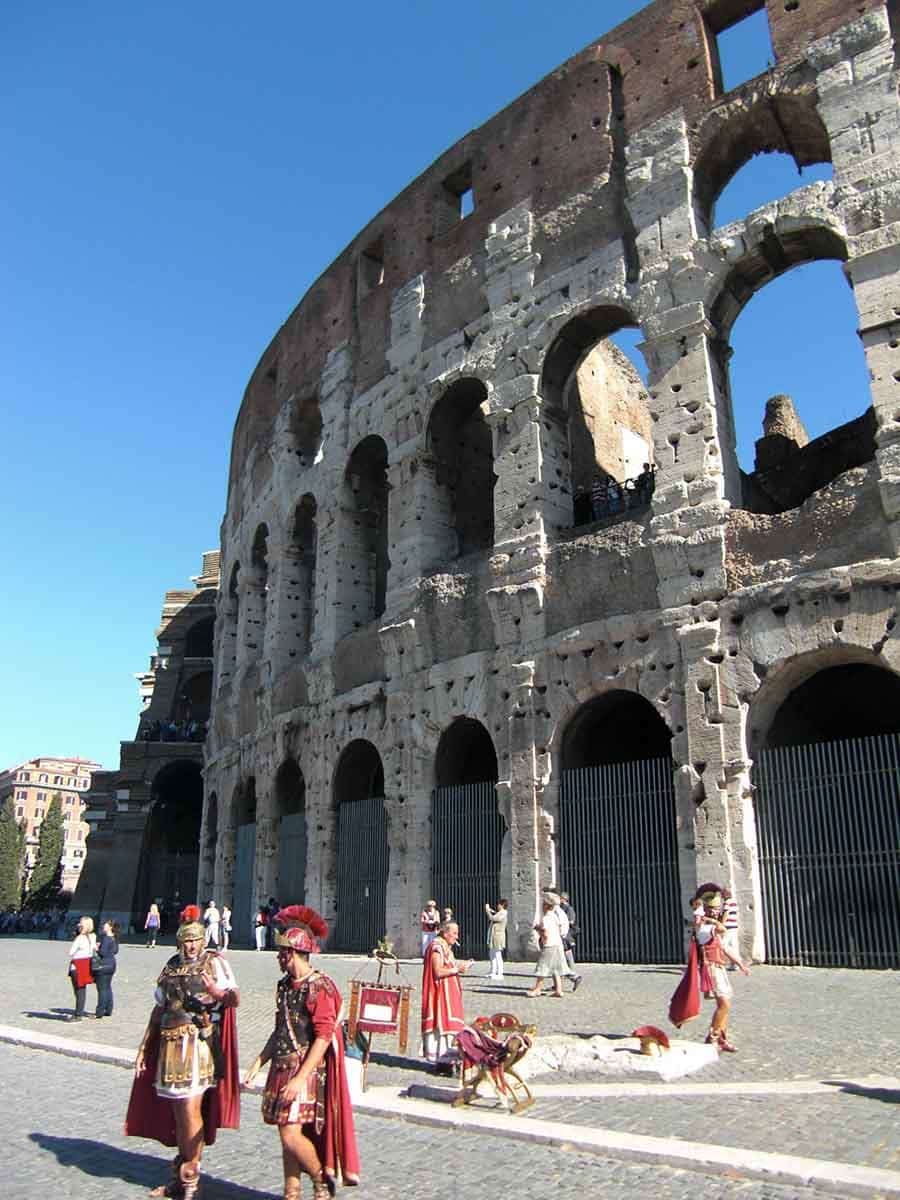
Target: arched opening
<point>199,640</point>
<point>792,367</point>
<point>170,860</point>
<point>467,831</point>
<point>256,594</point>
<point>290,795</point>
<point>300,571</point>
<point>306,426</point>
<point>762,180</point>
<point>617,831</point>
<point>785,124</point>
<point>461,446</point>
<point>193,706</point>
<point>363,855</point>
<point>826,782</point>
<point>242,910</point>
<point>232,612</point>
<point>597,427</point>
<point>362,577</point>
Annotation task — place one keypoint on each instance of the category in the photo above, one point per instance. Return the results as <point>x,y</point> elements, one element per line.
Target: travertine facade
<point>398,550</point>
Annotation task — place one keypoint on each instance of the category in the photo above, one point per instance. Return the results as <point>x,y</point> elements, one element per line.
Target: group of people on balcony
<point>607,497</point>
<point>174,731</point>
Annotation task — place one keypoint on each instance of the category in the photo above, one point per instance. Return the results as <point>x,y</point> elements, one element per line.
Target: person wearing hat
<point>705,971</point>
<point>186,1082</point>
<point>551,961</point>
<point>306,1094</point>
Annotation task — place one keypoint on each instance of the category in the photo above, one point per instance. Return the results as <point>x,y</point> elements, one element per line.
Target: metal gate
<point>619,861</point>
<point>828,818</point>
<point>466,839</point>
<point>242,908</point>
<point>363,862</point>
<point>292,859</point>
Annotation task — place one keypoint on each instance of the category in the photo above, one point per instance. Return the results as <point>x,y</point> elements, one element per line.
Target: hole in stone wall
<point>455,200</point>
<point>742,42</point>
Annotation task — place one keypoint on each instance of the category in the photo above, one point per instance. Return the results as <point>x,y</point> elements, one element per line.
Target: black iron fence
<point>466,840</point>
<point>363,863</point>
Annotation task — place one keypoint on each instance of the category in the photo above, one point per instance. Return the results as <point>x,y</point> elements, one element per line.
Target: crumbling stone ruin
<point>145,817</point>
<point>439,669</point>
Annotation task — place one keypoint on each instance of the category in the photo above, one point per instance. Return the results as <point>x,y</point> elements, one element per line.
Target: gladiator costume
<point>189,1049</point>
<point>307,1010</point>
<point>705,973</point>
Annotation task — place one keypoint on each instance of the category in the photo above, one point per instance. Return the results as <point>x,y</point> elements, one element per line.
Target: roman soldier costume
<point>308,1011</point>
<point>189,1050</point>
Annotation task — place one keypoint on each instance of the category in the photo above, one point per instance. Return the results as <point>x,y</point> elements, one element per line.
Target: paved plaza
<point>815,1077</point>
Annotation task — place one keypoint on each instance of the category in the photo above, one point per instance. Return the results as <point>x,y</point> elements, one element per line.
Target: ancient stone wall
<point>420,593</point>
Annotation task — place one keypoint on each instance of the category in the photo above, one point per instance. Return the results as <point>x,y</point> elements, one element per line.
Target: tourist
<point>151,925</point>
<point>186,1082</point>
<point>272,908</point>
<point>105,967</point>
<point>306,1094</point>
<point>551,961</point>
<point>260,927</point>
<point>705,971</point>
<point>226,926</point>
<point>568,937</point>
<point>442,1002</point>
<point>429,924</point>
<point>212,919</point>
<point>80,954</point>
<point>497,919</point>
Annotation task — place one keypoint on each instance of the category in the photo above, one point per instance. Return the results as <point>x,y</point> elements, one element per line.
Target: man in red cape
<point>705,972</point>
<point>442,1002</point>
<point>186,1081</point>
<point>306,1094</point>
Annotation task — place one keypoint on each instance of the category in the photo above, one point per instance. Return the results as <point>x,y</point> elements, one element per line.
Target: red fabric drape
<point>442,1002</point>
<point>83,974</point>
<point>685,1003</point>
<point>151,1117</point>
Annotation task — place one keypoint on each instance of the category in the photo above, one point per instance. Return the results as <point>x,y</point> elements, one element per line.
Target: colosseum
<point>498,614</point>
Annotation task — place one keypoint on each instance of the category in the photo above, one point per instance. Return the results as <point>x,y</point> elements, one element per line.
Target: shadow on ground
<point>885,1095</point>
<point>54,1014</point>
<point>130,1166</point>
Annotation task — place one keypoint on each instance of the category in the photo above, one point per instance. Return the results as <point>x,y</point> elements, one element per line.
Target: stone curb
<point>840,1179</point>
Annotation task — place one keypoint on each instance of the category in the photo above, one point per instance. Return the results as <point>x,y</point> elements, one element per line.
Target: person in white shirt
<point>212,919</point>
<point>551,961</point>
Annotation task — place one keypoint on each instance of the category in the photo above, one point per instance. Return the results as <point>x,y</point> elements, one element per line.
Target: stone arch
<point>306,427</point>
<point>361,854</point>
<point>231,610</point>
<point>826,776</point>
<point>460,450</point>
<point>256,588</point>
<point>617,836</point>
<point>596,421</point>
<point>787,470</point>
<point>290,801</point>
<point>734,133</point>
<point>298,601</point>
<point>192,707</point>
<point>169,864</point>
<point>198,641</point>
<point>363,568</point>
<point>469,836</point>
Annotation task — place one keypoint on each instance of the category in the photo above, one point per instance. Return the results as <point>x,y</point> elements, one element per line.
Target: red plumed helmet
<point>301,915</point>
<point>189,914</point>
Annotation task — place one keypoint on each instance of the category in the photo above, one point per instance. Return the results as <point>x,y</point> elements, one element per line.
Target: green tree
<point>11,846</point>
<point>46,878</point>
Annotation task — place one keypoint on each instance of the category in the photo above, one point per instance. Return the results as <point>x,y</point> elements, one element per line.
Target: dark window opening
<point>853,700</point>
<point>370,268</point>
<point>465,754</point>
<point>456,199</point>
<point>617,727</point>
<point>199,640</point>
<point>359,774</point>
<point>462,447</point>
<point>363,578</point>
<point>306,426</point>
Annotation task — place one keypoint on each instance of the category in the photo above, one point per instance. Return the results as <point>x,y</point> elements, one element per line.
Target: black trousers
<point>79,996</point>
<point>103,981</point>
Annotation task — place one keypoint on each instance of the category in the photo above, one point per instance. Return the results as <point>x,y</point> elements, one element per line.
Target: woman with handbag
<point>103,966</point>
<point>80,954</point>
<point>551,961</point>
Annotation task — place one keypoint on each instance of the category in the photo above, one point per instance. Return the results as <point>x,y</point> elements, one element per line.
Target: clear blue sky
<point>176,175</point>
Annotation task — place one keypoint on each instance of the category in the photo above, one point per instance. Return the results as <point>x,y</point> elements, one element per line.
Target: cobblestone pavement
<point>790,1024</point>
<point>64,1138</point>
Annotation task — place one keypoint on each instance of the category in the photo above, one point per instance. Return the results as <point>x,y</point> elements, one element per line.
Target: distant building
<point>145,817</point>
<point>32,785</point>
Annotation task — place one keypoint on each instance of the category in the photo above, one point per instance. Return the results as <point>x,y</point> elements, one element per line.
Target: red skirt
<point>307,1109</point>
<point>81,970</point>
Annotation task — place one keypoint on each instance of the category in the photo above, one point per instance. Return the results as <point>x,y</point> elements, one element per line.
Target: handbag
<point>97,964</point>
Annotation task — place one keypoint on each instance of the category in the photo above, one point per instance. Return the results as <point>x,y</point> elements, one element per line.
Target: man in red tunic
<point>442,1002</point>
<point>306,1094</point>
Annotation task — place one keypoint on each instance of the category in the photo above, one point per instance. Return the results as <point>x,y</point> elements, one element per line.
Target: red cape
<point>336,1143</point>
<point>151,1117</point>
<point>442,1002</point>
<point>685,1002</point>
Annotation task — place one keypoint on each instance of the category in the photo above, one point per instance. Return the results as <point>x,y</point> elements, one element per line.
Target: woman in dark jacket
<point>105,966</point>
